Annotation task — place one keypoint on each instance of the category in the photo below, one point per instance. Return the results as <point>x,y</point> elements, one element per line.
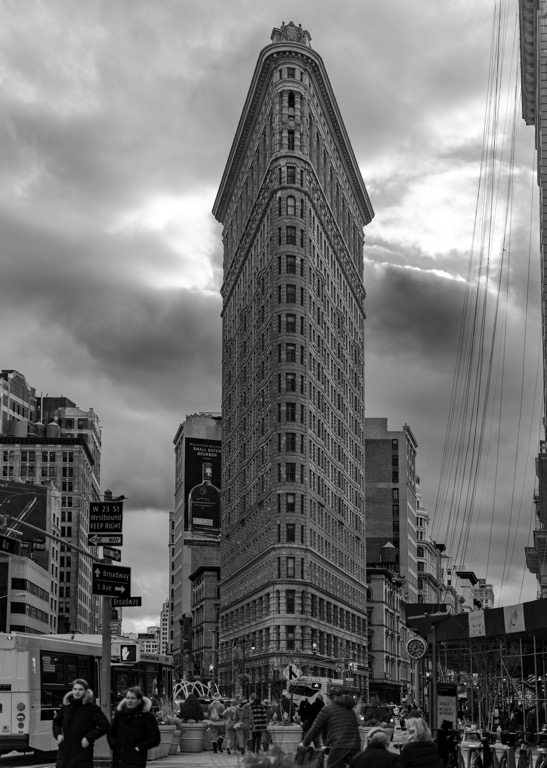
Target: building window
<point>290,472</point>
<point>290,596</point>
<point>290,411</point>
<point>394,445</point>
<point>290,140</point>
<point>291,567</point>
<point>291,264</point>
<point>395,510</point>
<point>290,442</point>
<point>420,552</point>
<point>291,533</point>
<point>290,379</point>
<point>290,353</point>
<point>395,494</point>
<point>290,503</point>
<point>291,206</point>
<point>290,323</point>
<point>394,477</point>
<point>291,174</point>
<point>290,294</point>
<point>291,235</point>
<point>291,73</point>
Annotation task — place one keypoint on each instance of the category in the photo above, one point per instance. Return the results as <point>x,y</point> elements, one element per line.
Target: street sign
<point>291,672</point>
<point>105,517</point>
<point>126,602</point>
<point>112,554</point>
<point>111,580</point>
<point>100,539</point>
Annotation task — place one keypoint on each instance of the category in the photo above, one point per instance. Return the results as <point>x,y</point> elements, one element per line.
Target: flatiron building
<point>293,207</point>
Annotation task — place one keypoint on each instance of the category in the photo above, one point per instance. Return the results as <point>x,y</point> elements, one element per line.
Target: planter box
<point>192,737</point>
<point>166,733</point>
<point>286,737</point>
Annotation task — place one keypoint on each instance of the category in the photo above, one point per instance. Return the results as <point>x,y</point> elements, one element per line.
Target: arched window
<point>291,206</point>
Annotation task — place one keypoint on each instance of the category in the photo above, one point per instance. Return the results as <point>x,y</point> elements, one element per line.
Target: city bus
<point>36,671</point>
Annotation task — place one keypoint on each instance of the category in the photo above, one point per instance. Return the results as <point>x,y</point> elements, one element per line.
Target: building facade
<point>293,207</point>
<point>391,498</point>
<point>50,441</point>
<point>533,68</point>
<point>194,526</point>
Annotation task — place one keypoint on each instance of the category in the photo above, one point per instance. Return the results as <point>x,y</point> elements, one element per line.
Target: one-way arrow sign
<point>111,580</point>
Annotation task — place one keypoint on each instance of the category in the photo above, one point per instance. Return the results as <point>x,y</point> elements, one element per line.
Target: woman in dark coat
<point>77,725</point>
<point>134,730</point>
<point>420,751</point>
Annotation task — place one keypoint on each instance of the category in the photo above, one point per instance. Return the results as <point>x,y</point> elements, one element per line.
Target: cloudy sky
<point>118,117</point>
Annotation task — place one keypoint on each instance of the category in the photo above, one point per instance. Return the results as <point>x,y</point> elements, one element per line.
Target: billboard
<point>202,478</point>
<point>27,502</point>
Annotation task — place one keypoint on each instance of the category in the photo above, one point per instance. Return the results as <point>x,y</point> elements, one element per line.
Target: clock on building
<point>416,647</point>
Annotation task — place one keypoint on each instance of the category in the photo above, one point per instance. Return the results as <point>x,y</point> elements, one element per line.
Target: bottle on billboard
<point>204,501</point>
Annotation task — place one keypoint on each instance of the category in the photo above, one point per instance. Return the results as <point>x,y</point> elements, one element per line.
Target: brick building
<point>293,207</point>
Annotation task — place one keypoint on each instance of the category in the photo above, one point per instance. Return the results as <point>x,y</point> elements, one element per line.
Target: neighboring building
<point>390,670</point>
<point>194,525</point>
<point>29,562</point>
<point>483,595</point>
<point>49,440</point>
<point>533,64</point>
<point>428,555</point>
<point>165,623</point>
<point>391,498</point>
<point>293,207</point>
<point>205,606</point>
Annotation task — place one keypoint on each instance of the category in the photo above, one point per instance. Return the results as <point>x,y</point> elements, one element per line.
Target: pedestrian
<point>304,713</point>
<point>266,737</point>
<point>338,721</point>
<point>376,754</point>
<point>216,722</point>
<point>134,730</point>
<point>420,751</point>
<point>229,721</point>
<point>260,722</point>
<point>77,726</point>
<point>315,708</point>
<point>243,724</point>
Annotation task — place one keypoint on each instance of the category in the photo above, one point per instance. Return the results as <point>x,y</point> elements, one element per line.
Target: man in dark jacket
<point>377,754</point>
<point>77,725</point>
<point>338,724</point>
<point>134,730</point>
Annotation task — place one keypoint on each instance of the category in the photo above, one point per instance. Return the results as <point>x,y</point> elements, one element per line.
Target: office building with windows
<point>293,206</point>
<point>49,441</point>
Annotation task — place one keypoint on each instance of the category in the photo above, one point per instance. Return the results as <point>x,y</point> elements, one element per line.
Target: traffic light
<point>128,652</point>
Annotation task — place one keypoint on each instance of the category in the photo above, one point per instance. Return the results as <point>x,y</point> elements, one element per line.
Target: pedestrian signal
<point>128,652</point>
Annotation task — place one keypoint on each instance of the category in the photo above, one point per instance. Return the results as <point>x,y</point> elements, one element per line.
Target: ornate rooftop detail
<point>292,33</point>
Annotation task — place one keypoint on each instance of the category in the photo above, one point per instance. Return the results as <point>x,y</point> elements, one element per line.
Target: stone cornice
<point>267,60</point>
<point>528,10</point>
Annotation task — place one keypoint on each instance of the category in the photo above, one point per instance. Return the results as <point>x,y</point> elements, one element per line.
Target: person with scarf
<point>134,730</point>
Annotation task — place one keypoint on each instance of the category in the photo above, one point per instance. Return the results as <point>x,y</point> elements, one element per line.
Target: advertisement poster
<point>202,478</point>
<point>447,703</point>
<point>26,502</point>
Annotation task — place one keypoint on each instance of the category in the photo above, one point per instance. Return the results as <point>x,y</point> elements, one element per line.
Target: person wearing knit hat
<point>376,754</point>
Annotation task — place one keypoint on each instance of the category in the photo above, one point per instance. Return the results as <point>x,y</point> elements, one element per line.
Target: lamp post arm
<point>55,538</point>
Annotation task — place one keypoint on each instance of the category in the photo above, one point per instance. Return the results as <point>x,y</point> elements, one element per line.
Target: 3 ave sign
<point>105,517</point>
<point>111,580</point>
